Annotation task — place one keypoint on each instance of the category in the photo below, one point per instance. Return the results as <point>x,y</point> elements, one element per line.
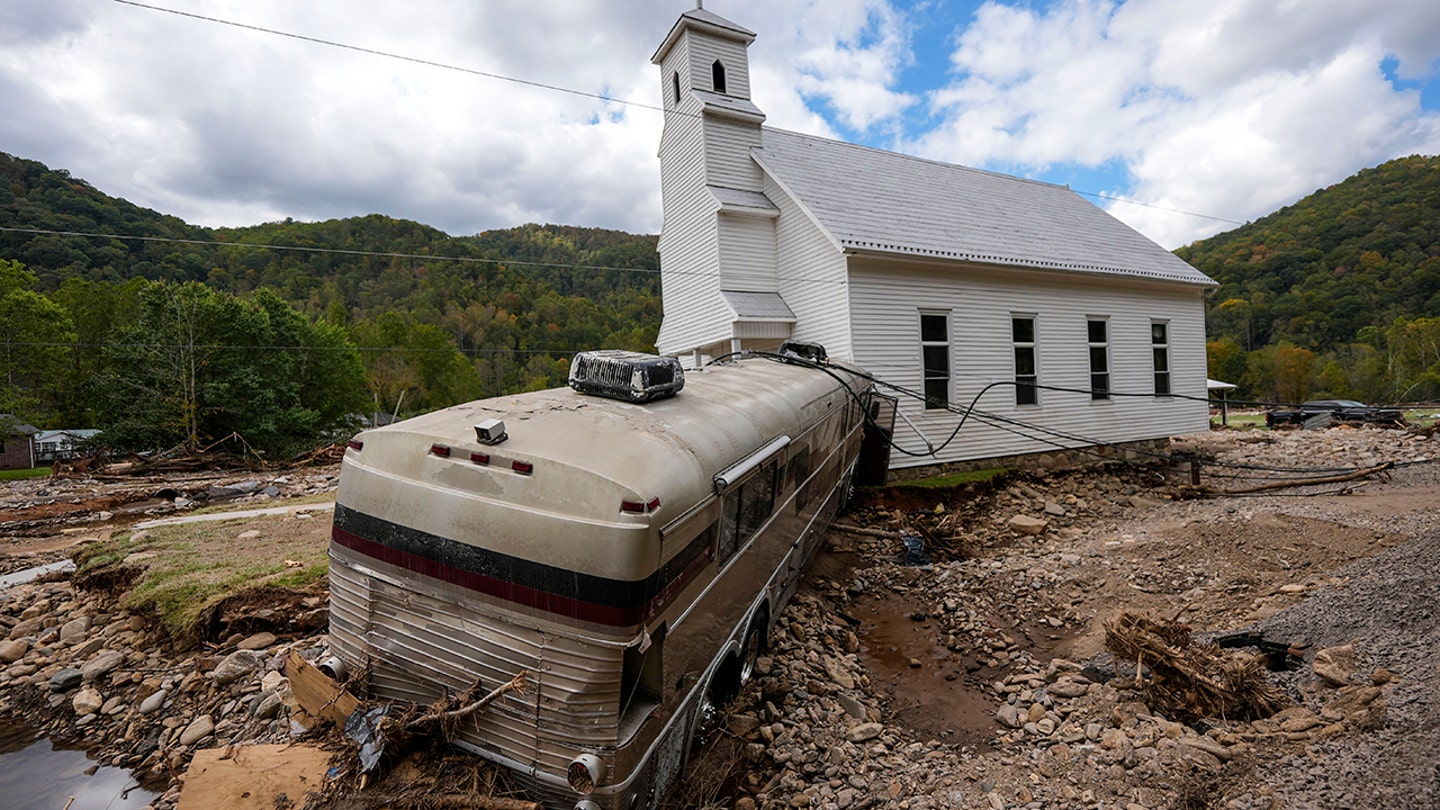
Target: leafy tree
<point>35,338</point>
<point>196,365</point>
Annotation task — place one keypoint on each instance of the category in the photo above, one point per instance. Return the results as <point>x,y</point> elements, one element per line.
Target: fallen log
<point>881,533</point>
<point>1305,482</point>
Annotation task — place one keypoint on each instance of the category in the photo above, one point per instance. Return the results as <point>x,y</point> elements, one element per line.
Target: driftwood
<point>461,801</point>
<point>516,683</point>
<point>849,529</point>
<point>1305,482</point>
<point>1191,680</point>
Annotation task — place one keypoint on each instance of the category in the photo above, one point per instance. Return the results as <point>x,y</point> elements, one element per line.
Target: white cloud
<point>1230,108</point>
<point>225,126</point>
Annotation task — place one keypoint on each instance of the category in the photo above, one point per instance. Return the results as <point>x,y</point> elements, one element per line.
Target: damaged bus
<point>629,550</point>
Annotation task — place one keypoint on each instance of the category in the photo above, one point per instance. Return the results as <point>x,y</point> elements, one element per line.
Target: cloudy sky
<point>1223,108</point>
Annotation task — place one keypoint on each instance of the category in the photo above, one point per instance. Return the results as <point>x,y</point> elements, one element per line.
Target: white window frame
<point>1033,346</point>
<point>1160,351</point>
<point>925,376</point>
<point>1101,378</point>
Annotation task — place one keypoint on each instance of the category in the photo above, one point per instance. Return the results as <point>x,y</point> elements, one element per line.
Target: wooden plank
<point>316,696</point>
<point>255,777</point>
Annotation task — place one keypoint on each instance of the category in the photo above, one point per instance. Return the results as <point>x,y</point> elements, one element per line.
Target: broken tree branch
<point>1304,482</point>
<point>516,683</point>
<point>881,533</point>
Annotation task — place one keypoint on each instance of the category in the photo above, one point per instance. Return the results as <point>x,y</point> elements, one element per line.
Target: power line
<point>237,347</point>
<point>1098,195</point>
<point>401,57</point>
<point>543,85</point>
<point>307,249</point>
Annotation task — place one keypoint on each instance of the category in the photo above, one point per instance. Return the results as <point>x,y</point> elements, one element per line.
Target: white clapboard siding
<point>887,297</point>
<point>747,253</point>
<point>812,276</point>
<point>727,153</point>
<point>689,252</point>
<point>702,55</point>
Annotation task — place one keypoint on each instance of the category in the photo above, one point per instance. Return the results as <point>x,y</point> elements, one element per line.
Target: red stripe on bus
<point>519,594</point>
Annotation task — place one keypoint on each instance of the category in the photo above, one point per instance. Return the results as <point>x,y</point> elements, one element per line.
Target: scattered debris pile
<point>1191,679</point>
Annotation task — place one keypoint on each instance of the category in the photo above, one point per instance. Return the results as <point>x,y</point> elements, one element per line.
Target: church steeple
<point>705,52</point>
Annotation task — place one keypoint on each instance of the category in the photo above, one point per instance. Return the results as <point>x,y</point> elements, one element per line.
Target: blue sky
<point>1225,108</point>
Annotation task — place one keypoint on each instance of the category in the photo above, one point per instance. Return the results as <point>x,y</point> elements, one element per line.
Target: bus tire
<point>756,638</point>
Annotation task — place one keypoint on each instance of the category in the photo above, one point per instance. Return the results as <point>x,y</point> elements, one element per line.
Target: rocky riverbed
<point>979,679</point>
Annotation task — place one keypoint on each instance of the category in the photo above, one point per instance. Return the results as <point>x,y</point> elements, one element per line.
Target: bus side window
<point>729,527</point>
<point>757,500</point>
<point>746,509</point>
<point>796,473</point>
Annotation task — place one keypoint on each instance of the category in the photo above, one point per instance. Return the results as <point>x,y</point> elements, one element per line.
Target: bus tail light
<point>522,467</point>
<point>440,450</point>
<point>640,507</point>
<point>585,773</point>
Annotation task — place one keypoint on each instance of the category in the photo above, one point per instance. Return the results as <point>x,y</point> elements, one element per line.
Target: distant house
<point>17,446</point>
<point>935,277</point>
<point>52,445</point>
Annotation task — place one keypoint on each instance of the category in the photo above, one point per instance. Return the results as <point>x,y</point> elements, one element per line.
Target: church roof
<point>871,200</point>
<point>706,21</point>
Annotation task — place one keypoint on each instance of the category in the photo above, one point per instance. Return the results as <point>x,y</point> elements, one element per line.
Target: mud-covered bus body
<point>631,557</point>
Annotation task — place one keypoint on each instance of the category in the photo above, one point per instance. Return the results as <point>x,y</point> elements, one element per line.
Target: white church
<point>935,277</point>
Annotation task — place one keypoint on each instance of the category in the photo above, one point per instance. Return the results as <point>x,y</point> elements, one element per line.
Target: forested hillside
<point>432,319</point>
<point>1338,294</point>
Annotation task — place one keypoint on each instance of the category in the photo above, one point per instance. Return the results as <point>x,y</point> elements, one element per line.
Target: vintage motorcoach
<point>631,555</point>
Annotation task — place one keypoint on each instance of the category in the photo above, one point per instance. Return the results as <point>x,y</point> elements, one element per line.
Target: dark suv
<point>1340,410</point>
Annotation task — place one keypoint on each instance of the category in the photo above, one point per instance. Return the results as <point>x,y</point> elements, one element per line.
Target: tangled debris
<point>1190,679</point>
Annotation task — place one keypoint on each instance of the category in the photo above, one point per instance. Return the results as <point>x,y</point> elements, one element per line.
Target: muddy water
<point>930,689</point>
<point>36,775</point>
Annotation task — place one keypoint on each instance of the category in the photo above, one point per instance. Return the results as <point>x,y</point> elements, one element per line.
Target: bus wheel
<point>753,646</point>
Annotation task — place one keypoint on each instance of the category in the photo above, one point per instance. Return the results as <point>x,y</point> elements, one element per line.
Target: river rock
<point>837,673</point>
<point>65,680</point>
<point>864,732</point>
<point>102,664</point>
<point>87,701</point>
<point>1209,746</point>
<point>199,728</point>
<point>153,703</point>
<point>1335,665</point>
<point>258,641</point>
<point>12,651</point>
<point>75,629</point>
<point>1024,524</point>
<point>237,665</point>
<point>1010,717</point>
<point>27,627</point>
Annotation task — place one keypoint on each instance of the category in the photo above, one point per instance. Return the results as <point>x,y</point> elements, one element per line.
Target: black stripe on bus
<point>544,587</point>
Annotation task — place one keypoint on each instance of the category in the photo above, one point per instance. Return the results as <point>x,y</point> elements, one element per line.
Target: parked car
<point>1341,410</point>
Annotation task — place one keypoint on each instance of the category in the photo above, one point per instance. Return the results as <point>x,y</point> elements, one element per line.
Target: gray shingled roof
<point>872,200</point>
<point>758,305</point>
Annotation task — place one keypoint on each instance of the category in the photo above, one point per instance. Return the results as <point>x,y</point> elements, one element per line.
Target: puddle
<point>32,574</point>
<point>36,775</point>
<point>945,696</point>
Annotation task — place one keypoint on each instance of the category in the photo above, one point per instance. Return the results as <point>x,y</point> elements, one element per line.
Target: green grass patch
<point>185,568</point>
<point>952,480</point>
<point>20,475</point>
<point>1240,420</point>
